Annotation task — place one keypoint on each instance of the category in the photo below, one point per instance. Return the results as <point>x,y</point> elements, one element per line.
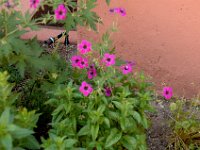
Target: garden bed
<point>159,132</point>
<point>159,129</point>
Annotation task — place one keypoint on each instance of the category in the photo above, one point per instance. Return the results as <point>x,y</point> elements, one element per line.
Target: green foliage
<point>45,90</point>
<point>185,124</point>
<point>16,126</point>
<point>98,121</point>
<point>85,16</point>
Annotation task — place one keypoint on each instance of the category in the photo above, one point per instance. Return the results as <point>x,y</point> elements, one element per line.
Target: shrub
<point>16,124</point>
<point>110,111</point>
<point>95,100</point>
<point>185,124</point>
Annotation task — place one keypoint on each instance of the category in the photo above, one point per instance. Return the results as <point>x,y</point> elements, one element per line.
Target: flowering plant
<point>103,106</point>
<point>95,99</point>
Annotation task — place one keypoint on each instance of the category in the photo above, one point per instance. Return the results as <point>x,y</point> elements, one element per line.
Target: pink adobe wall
<point>162,36</point>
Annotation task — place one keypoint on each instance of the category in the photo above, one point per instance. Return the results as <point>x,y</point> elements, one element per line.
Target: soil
<point>159,130</point>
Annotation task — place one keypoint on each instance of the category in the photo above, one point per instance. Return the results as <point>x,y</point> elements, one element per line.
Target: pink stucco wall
<point>162,36</point>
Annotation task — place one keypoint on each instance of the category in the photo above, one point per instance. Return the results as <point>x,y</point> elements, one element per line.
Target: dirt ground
<point>159,129</point>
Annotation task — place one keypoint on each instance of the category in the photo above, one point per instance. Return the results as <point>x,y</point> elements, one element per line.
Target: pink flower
<point>120,11</point>
<point>108,91</point>
<point>84,47</point>
<point>85,88</point>
<point>92,66</point>
<point>167,92</point>
<point>60,12</point>
<point>126,68</point>
<point>92,73</point>
<point>34,3</point>
<point>75,60</point>
<point>109,59</point>
<point>83,63</point>
<point>112,10</point>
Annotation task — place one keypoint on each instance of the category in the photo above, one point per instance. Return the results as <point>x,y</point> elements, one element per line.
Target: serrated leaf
<point>113,138</point>
<point>117,104</point>
<point>137,117</point>
<point>144,122</point>
<point>114,115</point>
<point>101,109</point>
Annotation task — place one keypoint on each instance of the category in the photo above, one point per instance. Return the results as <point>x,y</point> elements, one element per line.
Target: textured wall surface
<point>162,36</point>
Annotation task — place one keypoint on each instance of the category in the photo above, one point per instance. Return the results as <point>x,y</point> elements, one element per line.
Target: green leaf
<point>101,109</point>
<point>84,130</point>
<point>94,131</point>
<point>136,116</point>
<point>107,122</point>
<point>58,110</point>
<point>5,118</point>
<point>67,107</point>
<point>113,115</point>
<point>30,142</point>
<point>144,122</point>
<point>21,66</point>
<point>70,142</point>
<point>19,132</point>
<point>119,62</point>
<point>6,141</point>
<point>123,123</point>
<point>129,142</point>
<point>99,147</point>
<point>113,138</point>
<point>117,104</point>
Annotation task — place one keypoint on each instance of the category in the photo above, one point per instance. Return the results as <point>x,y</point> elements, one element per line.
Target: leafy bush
<point>185,124</point>
<point>16,125</point>
<point>112,116</point>
<point>95,103</point>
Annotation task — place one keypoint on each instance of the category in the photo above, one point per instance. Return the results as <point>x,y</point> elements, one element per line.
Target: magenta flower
<point>167,92</point>
<point>109,59</point>
<point>92,73</point>
<point>84,47</point>
<point>34,3</point>
<point>108,91</point>
<point>75,60</point>
<point>85,88</point>
<point>120,11</point>
<point>112,10</point>
<point>127,68</point>
<point>83,63</point>
<point>92,66</point>
<point>60,12</point>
